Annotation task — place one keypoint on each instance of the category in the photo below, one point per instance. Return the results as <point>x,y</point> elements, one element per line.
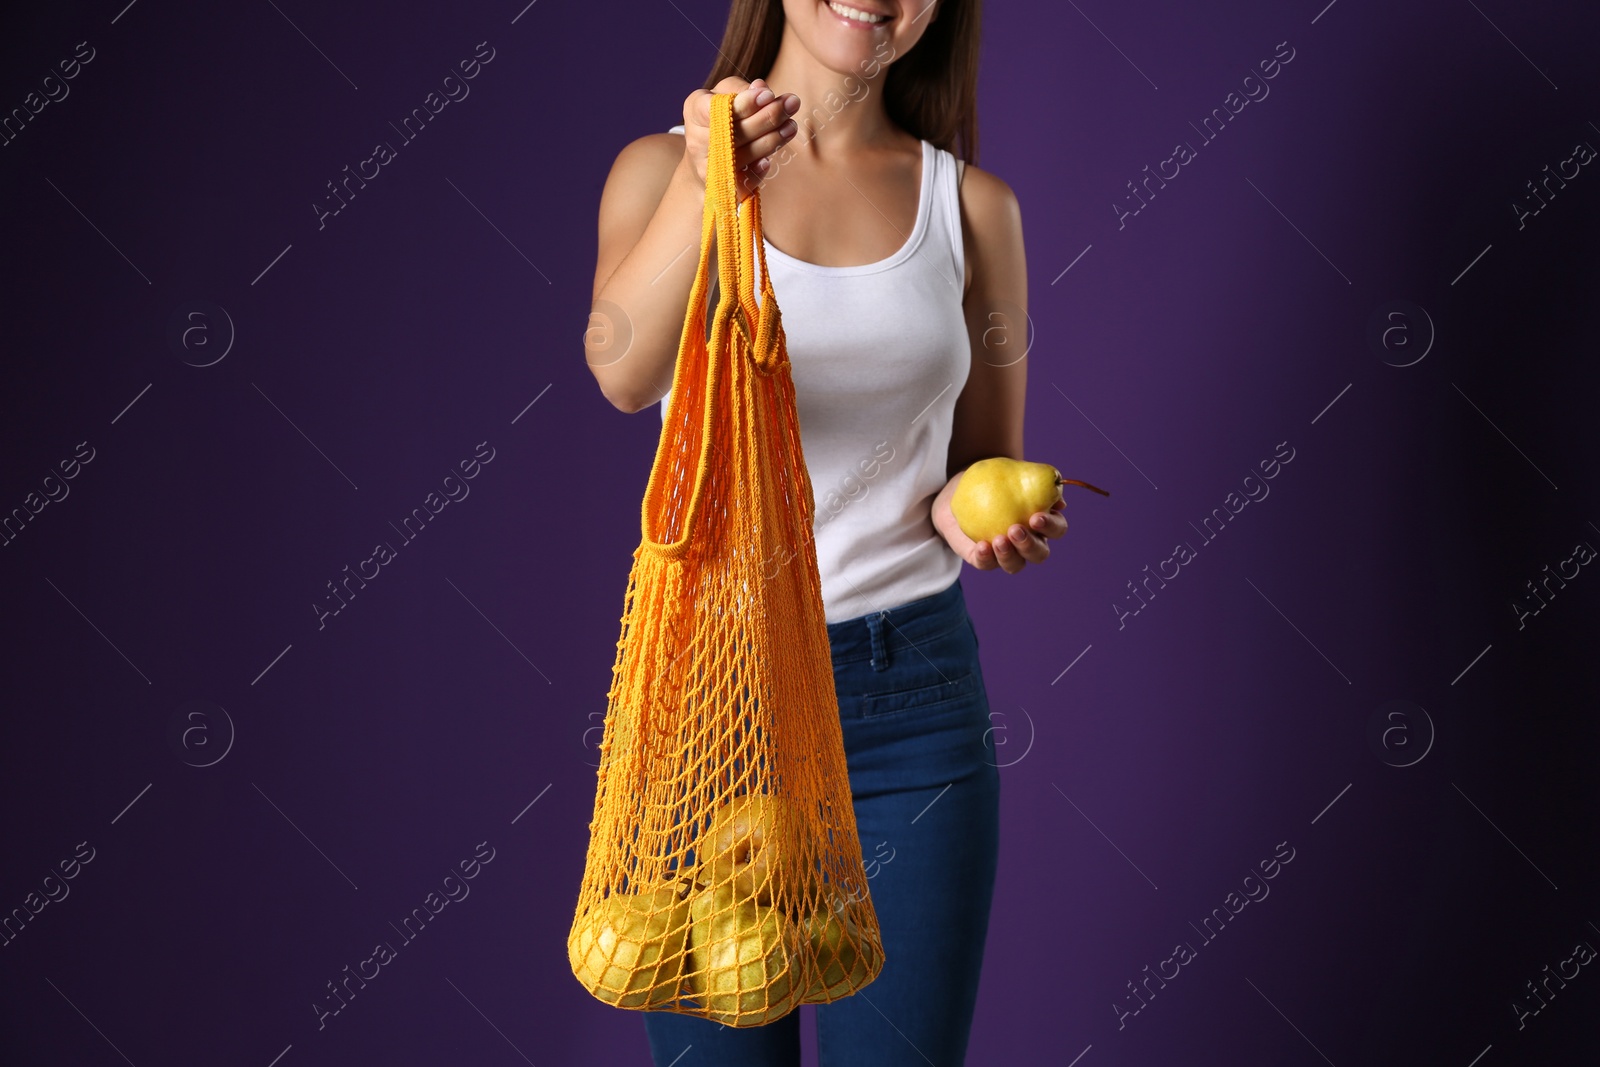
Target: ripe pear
<point>736,841</point>
<point>744,962</point>
<point>996,493</point>
<point>628,950</point>
<point>845,958</point>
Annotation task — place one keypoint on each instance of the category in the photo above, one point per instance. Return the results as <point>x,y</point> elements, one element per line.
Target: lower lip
<point>854,24</point>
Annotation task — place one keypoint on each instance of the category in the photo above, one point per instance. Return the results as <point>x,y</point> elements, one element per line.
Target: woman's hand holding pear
<point>1003,512</point>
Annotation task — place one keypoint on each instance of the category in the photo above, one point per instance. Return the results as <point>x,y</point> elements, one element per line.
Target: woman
<point>895,264</point>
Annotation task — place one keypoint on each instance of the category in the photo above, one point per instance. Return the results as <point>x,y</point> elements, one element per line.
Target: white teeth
<point>853,13</point>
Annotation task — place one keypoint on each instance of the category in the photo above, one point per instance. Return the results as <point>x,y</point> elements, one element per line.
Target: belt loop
<point>880,652</point>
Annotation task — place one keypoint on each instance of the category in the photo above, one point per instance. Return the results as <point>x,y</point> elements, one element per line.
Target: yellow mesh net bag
<point>724,875</point>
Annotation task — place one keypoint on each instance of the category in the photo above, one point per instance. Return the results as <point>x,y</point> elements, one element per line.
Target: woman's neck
<point>838,112</point>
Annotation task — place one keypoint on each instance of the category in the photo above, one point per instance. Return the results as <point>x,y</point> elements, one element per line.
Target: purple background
<point>467,681</point>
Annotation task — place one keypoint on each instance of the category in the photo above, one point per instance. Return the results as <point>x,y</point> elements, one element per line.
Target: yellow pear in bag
<point>845,960</point>
<point>628,950</point>
<point>737,840</point>
<point>743,958</point>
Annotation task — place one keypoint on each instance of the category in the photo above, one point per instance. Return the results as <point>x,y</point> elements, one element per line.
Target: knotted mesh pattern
<point>724,875</point>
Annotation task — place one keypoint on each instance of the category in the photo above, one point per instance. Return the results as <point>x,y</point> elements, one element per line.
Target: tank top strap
<point>945,216</point>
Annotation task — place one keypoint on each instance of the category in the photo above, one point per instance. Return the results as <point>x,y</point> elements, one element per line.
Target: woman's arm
<point>649,213</point>
<point>650,217</point>
<point>988,413</point>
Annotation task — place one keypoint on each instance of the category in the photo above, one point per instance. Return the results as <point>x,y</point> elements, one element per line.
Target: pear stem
<point>1086,485</point>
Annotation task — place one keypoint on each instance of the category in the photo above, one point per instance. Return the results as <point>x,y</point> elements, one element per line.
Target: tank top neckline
<point>925,196</point>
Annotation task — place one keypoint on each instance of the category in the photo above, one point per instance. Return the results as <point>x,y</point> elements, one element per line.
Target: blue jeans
<point>926,792</point>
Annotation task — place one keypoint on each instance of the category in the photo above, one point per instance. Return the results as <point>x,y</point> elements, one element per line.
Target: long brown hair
<point>931,92</point>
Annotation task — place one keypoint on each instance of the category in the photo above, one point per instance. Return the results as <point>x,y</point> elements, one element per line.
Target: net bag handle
<point>734,237</point>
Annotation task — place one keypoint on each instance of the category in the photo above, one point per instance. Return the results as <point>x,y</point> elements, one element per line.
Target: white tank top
<point>879,352</point>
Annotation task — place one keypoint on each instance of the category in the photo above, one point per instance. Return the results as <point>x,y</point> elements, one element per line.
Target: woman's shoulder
<point>654,153</point>
<point>991,224</point>
<point>986,196</point>
<point>640,174</point>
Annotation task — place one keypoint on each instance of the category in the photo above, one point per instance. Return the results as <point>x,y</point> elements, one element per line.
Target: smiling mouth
<point>857,17</point>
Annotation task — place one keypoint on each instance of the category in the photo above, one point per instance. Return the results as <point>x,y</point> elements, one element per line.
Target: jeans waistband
<point>877,635</point>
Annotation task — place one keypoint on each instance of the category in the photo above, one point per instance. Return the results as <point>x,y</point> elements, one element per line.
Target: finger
<point>1006,553</point>
<point>748,182</point>
<point>699,106</point>
<point>1025,545</point>
<point>750,99</point>
<point>701,98</point>
<point>1048,523</point>
<point>753,176</point>
<point>982,556</point>
<point>1031,546</point>
<point>767,129</point>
